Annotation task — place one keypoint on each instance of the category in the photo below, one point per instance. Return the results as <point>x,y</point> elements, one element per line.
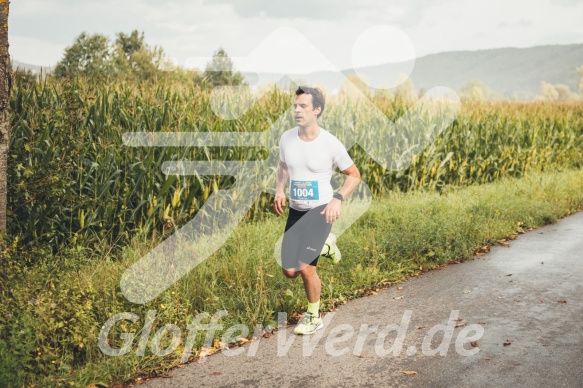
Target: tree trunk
<point>5,83</point>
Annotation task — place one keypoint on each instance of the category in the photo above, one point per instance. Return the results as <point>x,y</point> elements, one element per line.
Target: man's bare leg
<point>312,282</point>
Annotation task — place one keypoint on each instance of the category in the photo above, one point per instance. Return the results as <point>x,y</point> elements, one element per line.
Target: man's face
<point>304,111</point>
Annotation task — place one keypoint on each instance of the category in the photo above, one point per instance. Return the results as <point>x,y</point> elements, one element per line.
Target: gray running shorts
<point>305,235</point>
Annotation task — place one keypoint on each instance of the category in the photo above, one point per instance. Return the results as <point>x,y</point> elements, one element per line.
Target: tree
<point>90,56</point>
<point>557,92</point>
<point>549,92</point>
<point>475,90</point>
<point>130,44</point>
<point>219,71</point>
<point>565,93</point>
<point>132,56</point>
<point>5,84</point>
<point>128,56</point>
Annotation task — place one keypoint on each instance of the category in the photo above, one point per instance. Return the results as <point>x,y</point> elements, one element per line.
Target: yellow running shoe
<point>309,324</point>
<point>330,250</point>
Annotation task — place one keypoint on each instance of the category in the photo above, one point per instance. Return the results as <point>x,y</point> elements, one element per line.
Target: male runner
<point>308,155</point>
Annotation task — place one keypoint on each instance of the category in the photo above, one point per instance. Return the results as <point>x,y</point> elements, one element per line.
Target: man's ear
<point>318,110</point>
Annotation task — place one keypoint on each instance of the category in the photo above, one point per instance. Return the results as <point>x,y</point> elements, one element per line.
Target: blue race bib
<point>304,191</point>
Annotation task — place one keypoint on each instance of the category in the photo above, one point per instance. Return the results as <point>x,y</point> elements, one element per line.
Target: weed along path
<point>509,318</point>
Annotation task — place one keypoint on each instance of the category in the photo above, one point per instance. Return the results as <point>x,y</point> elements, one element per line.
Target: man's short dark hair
<point>317,97</point>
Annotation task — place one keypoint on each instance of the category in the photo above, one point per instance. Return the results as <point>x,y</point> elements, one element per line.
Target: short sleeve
<point>281,151</point>
<point>342,159</point>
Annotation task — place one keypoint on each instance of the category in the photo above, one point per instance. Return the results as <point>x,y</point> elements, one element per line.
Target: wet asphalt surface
<point>521,306</point>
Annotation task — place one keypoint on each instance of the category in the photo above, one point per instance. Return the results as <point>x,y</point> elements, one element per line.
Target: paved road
<point>528,295</point>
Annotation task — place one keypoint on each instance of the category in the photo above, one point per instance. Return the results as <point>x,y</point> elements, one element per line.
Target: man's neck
<point>309,133</point>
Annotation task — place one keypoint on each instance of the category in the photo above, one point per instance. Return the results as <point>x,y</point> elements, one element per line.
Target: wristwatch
<point>338,196</point>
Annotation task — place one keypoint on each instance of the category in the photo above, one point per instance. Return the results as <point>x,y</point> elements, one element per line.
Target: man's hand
<point>279,203</point>
<point>332,211</point>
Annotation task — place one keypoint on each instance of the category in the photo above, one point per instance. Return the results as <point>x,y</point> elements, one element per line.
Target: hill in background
<point>506,70</point>
<point>25,66</point>
<point>512,72</point>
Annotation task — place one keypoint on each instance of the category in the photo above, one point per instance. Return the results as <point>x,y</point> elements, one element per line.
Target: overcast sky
<point>299,36</point>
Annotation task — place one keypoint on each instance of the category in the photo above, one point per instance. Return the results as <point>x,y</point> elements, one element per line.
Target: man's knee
<point>290,273</point>
<point>309,271</point>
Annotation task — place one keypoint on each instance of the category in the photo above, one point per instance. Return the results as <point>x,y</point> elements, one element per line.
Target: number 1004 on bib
<point>305,190</point>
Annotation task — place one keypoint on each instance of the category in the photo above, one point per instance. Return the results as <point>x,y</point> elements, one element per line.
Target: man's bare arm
<point>282,178</point>
<point>332,211</point>
<point>351,182</point>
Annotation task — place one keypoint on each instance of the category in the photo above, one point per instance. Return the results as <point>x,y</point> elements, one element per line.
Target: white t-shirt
<point>310,165</point>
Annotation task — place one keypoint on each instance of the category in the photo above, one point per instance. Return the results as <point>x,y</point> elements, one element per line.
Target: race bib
<point>304,191</point>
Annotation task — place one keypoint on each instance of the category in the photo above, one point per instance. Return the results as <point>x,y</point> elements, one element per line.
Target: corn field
<point>72,181</point>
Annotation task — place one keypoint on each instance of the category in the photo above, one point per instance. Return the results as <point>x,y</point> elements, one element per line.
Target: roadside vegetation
<point>53,311</point>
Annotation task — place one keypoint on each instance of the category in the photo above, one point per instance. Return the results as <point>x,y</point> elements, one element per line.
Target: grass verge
<point>52,313</point>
